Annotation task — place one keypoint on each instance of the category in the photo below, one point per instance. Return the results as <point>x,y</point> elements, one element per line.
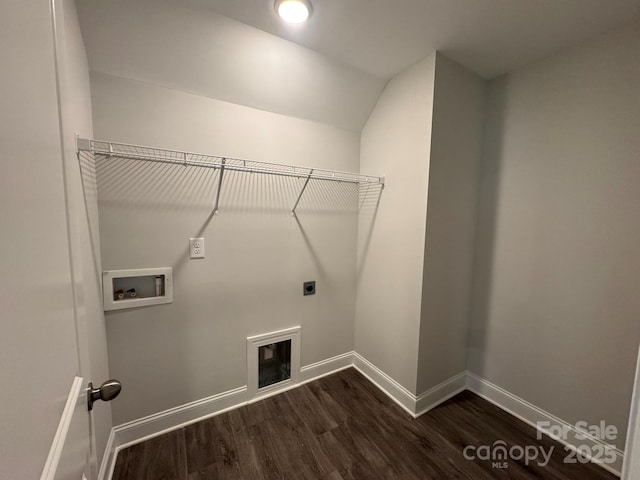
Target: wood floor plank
<point>312,412</point>
<point>342,427</point>
<point>271,464</point>
<point>160,458</point>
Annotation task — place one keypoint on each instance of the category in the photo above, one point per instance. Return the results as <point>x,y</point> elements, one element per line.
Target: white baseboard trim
<point>396,392</point>
<point>137,431</point>
<point>410,403</point>
<point>157,424</point>
<point>326,367</point>
<point>532,415</point>
<point>440,393</point>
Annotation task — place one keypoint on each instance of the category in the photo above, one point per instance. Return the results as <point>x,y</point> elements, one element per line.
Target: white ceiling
<point>333,68</point>
<point>191,48</point>
<point>491,37</point>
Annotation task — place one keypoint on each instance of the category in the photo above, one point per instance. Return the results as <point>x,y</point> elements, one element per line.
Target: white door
<point>70,456</point>
<point>80,451</point>
<point>44,335</point>
<point>631,465</point>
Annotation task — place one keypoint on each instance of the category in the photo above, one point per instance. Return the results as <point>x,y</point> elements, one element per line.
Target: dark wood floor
<point>343,427</point>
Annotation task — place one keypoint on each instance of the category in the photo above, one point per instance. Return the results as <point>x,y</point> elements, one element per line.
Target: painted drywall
<point>454,172</point>
<point>38,343</point>
<point>391,232</point>
<point>76,118</point>
<point>189,47</point>
<point>257,254</point>
<point>555,312</point>
<point>385,37</point>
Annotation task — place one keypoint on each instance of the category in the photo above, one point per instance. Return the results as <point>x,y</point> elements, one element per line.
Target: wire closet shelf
<point>222,163</point>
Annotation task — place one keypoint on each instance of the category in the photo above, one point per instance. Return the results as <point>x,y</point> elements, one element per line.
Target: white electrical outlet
<point>196,247</point>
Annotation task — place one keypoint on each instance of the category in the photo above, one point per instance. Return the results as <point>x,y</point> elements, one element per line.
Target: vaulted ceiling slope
<point>189,47</point>
<point>333,68</point>
<point>490,37</point>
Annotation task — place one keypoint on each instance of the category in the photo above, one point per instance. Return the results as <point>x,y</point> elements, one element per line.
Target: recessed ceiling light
<point>293,11</point>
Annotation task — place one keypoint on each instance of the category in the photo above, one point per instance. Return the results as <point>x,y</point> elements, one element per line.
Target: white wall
<point>454,172</point>
<point>257,254</point>
<point>85,242</point>
<point>415,248</point>
<point>556,283</point>
<point>191,48</point>
<point>38,355</point>
<point>395,142</point>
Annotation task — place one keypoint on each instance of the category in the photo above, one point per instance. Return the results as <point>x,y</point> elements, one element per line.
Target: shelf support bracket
<point>304,187</point>
<point>215,209</point>
<point>82,144</point>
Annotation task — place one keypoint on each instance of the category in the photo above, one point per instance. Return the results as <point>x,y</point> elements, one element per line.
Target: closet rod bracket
<point>82,144</point>
<point>216,208</point>
<point>304,187</point>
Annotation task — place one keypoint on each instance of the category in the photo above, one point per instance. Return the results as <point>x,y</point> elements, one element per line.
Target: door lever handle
<point>106,392</point>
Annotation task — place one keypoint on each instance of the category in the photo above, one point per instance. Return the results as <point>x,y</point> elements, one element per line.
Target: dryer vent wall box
<point>137,288</point>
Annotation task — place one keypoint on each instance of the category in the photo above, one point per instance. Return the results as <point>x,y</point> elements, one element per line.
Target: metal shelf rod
<point>120,150</point>
<point>111,150</point>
